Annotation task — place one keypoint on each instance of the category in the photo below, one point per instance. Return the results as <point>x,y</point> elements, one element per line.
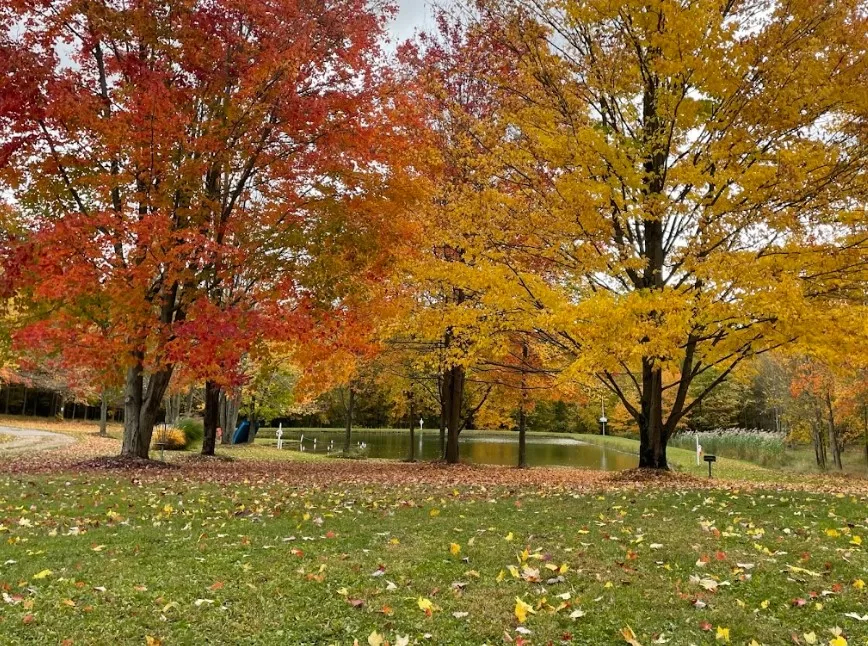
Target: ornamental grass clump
<point>765,448</point>
<point>172,439</point>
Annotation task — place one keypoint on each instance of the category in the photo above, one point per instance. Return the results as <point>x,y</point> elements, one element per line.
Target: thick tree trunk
<point>24,402</point>
<point>212,417</point>
<point>141,407</point>
<point>653,437</point>
<point>348,431</point>
<point>455,396</point>
<point>103,414</point>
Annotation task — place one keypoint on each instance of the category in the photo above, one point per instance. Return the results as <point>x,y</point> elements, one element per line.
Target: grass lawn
<point>112,559</point>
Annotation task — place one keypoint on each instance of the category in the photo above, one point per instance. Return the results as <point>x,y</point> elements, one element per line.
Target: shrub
<point>193,430</point>
<point>173,438</point>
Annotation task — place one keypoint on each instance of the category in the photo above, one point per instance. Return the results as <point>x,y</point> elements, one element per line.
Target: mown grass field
<point>108,559</point>
<point>321,551</point>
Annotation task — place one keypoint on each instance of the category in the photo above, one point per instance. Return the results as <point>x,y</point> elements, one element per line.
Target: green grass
<point>263,563</point>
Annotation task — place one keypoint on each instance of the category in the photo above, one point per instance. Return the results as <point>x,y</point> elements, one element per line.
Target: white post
<point>280,436</point>
<point>698,451</point>
<point>603,419</point>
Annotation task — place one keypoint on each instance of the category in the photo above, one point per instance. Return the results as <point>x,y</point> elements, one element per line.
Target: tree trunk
<point>103,413</point>
<point>24,402</point>
<point>141,407</point>
<point>443,415</point>
<point>652,435</point>
<point>212,417</point>
<point>229,415</point>
<point>173,408</point>
<point>455,395</point>
<point>189,411</point>
<point>833,434</point>
<point>865,430</point>
<point>522,416</point>
<point>251,435</point>
<point>412,457</point>
<point>349,421</point>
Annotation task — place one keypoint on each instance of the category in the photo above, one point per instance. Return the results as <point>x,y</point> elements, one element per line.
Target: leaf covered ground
<point>247,552</point>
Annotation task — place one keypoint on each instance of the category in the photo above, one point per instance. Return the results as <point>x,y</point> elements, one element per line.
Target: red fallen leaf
<point>720,556</point>
<point>795,638</point>
<point>804,556</point>
<point>704,625</point>
<point>217,585</point>
<point>518,503</point>
<point>715,532</point>
<point>79,584</point>
<point>67,642</point>
<point>330,534</point>
<point>567,637</point>
<point>837,587</point>
<point>813,594</point>
<point>521,641</point>
<point>296,552</point>
<point>387,610</point>
<point>798,602</point>
<point>356,603</point>
<point>28,618</point>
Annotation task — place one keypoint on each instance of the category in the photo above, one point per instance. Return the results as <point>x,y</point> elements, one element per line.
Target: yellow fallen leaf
<point>832,533</point>
<point>764,604</point>
<point>629,636</point>
<point>563,568</point>
<point>375,639</point>
<point>859,584</point>
<point>810,638</point>
<point>425,605</point>
<point>42,574</point>
<point>722,635</point>
<point>513,571</point>
<point>454,549</point>
<point>522,610</point>
<point>434,512</point>
<point>856,540</point>
<point>152,641</point>
<point>508,537</point>
<point>838,641</point>
<point>500,576</point>
<point>608,584</point>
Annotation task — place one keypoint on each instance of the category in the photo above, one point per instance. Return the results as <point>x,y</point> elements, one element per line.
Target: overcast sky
<point>412,15</point>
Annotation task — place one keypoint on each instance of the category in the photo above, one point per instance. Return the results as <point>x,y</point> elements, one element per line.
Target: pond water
<point>479,447</point>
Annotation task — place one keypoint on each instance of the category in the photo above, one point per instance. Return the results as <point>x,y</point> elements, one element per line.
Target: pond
<point>479,447</point>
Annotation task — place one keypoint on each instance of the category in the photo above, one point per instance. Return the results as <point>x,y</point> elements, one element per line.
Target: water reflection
<point>477,447</point>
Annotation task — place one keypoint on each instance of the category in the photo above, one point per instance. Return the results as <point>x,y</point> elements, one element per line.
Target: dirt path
<point>28,440</point>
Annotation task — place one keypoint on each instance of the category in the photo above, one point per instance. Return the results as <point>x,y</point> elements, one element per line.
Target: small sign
<point>710,458</point>
<point>603,420</point>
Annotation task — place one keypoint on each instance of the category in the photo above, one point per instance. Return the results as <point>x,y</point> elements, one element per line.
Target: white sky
<point>412,15</point>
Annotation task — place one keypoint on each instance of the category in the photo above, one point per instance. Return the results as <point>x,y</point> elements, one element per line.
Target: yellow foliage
<point>172,438</point>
